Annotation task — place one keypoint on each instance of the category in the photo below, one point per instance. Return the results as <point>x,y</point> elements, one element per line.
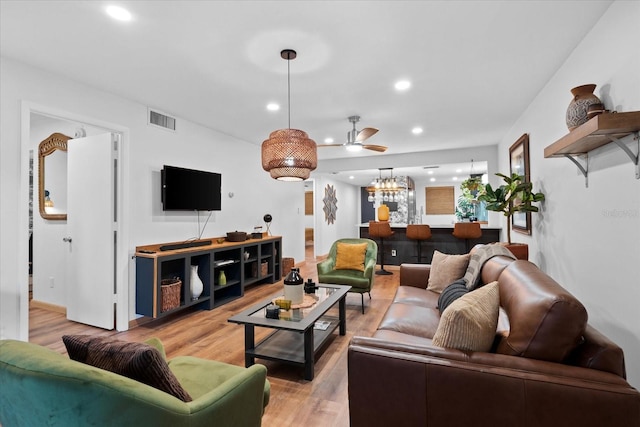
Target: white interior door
<point>91,229</point>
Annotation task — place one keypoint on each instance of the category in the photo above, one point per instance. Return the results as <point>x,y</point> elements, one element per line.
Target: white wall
<point>146,149</point>
<point>346,224</point>
<point>588,239</point>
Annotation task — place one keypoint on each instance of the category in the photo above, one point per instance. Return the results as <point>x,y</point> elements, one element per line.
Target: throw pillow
<point>470,322</point>
<point>451,293</point>
<point>350,256</point>
<point>138,361</point>
<point>445,269</point>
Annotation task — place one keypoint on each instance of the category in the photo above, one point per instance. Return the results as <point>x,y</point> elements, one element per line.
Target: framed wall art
<point>519,163</point>
<point>330,204</point>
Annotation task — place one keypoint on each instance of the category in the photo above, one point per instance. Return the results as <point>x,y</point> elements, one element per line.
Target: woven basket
<point>170,292</point>
<point>287,265</point>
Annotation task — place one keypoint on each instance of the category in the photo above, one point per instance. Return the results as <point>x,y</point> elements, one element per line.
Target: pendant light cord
<point>289,86</point>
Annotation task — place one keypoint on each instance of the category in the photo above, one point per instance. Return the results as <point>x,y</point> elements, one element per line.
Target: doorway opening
<point>47,273</point>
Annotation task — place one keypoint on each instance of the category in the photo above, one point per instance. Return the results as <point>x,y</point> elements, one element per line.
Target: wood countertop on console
<point>152,251</point>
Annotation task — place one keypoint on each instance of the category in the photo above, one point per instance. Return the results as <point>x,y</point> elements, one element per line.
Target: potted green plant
<point>472,188</point>
<point>515,195</point>
<point>465,208</point>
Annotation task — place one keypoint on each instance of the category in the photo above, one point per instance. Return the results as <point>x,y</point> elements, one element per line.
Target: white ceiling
<point>474,65</point>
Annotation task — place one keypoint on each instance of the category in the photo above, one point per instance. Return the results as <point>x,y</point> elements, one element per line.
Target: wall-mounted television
<point>190,189</point>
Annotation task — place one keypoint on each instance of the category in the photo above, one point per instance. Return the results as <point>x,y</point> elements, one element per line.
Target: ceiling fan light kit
<point>355,138</point>
<point>289,154</point>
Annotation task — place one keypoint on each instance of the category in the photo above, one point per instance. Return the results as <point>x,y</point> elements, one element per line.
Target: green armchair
<point>41,387</point>
<point>359,281</point>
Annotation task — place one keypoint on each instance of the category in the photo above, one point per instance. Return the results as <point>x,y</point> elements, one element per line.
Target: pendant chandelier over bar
<point>388,188</point>
<point>289,154</point>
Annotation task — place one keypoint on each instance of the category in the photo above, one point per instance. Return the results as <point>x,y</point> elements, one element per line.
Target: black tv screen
<point>190,190</point>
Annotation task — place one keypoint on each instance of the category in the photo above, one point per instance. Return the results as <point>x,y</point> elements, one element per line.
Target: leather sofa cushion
<point>401,339</point>
<point>416,296</point>
<point>546,321</point>
<point>411,319</point>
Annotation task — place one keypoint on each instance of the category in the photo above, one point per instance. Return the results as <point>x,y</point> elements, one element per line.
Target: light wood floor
<point>207,334</point>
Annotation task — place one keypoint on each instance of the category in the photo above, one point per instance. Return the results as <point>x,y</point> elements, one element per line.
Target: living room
<point>586,238</point>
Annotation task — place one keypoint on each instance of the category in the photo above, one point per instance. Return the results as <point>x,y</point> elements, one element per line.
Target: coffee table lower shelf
<point>288,346</point>
<point>295,340</point>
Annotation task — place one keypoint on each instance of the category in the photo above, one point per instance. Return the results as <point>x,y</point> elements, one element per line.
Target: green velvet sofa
<point>41,387</point>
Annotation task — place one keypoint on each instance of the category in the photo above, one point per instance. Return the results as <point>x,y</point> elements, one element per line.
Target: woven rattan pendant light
<point>289,154</point>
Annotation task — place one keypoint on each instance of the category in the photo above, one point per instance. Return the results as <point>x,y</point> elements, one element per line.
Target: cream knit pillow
<point>445,269</point>
<point>470,322</point>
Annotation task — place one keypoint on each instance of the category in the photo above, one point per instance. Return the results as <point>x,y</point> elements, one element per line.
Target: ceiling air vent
<point>162,120</point>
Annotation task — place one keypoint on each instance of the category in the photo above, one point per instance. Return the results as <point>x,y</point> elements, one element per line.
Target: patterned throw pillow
<point>445,269</point>
<point>350,256</point>
<point>138,361</point>
<point>470,322</point>
<point>451,293</point>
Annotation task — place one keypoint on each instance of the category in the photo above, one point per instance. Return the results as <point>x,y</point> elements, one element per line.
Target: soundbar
<point>193,244</point>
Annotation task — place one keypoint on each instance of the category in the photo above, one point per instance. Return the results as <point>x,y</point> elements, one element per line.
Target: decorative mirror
<point>52,177</point>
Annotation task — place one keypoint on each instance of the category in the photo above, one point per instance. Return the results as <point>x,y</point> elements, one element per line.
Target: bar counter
<point>441,239</point>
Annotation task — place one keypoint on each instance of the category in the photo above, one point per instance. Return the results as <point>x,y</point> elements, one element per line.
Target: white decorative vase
<point>294,286</point>
<point>196,284</point>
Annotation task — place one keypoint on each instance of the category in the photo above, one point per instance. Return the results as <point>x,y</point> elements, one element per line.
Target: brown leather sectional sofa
<point>547,367</point>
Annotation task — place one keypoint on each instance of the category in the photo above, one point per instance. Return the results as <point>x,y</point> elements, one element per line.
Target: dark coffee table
<point>295,340</point>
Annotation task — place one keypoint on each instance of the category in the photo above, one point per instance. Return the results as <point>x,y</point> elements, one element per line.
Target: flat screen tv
<point>190,190</point>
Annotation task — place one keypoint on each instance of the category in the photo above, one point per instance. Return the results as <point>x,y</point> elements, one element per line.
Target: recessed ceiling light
<point>403,85</point>
<point>455,178</point>
<point>416,130</point>
<point>351,177</point>
<point>328,140</point>
<point>458,170</point>
<point>119,13</point>
<point>432,180</point>
<point>273,107</point>
<point>430,172</point>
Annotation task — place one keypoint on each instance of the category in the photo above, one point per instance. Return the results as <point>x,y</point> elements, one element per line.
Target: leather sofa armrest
<point>416,275</point>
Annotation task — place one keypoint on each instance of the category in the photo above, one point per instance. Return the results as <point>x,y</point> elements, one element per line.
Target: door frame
<point>122,258</point>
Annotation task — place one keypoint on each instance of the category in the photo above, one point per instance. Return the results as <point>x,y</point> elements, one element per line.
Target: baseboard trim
<point>140,321</point>
<point>48,306</point>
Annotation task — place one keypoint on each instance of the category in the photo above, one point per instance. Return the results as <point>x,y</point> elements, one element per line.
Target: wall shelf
<point>601,130</point>
<point>240,270</point>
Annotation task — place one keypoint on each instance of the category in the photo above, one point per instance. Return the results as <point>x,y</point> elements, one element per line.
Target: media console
<point>245,263</point>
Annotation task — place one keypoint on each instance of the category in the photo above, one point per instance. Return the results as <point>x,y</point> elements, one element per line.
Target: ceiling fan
<point>355,138</point>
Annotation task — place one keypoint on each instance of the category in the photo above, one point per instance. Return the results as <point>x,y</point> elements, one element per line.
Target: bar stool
<point>418,232</point>
<point>466,231</point>
<point>381,230</point>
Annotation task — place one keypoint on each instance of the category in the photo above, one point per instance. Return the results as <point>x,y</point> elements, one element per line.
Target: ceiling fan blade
<point>366,133</point>
<point>378,148</point>
<point>331,145</point>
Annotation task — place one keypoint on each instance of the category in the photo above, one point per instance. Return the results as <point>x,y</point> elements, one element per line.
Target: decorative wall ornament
<point>330,204</point>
